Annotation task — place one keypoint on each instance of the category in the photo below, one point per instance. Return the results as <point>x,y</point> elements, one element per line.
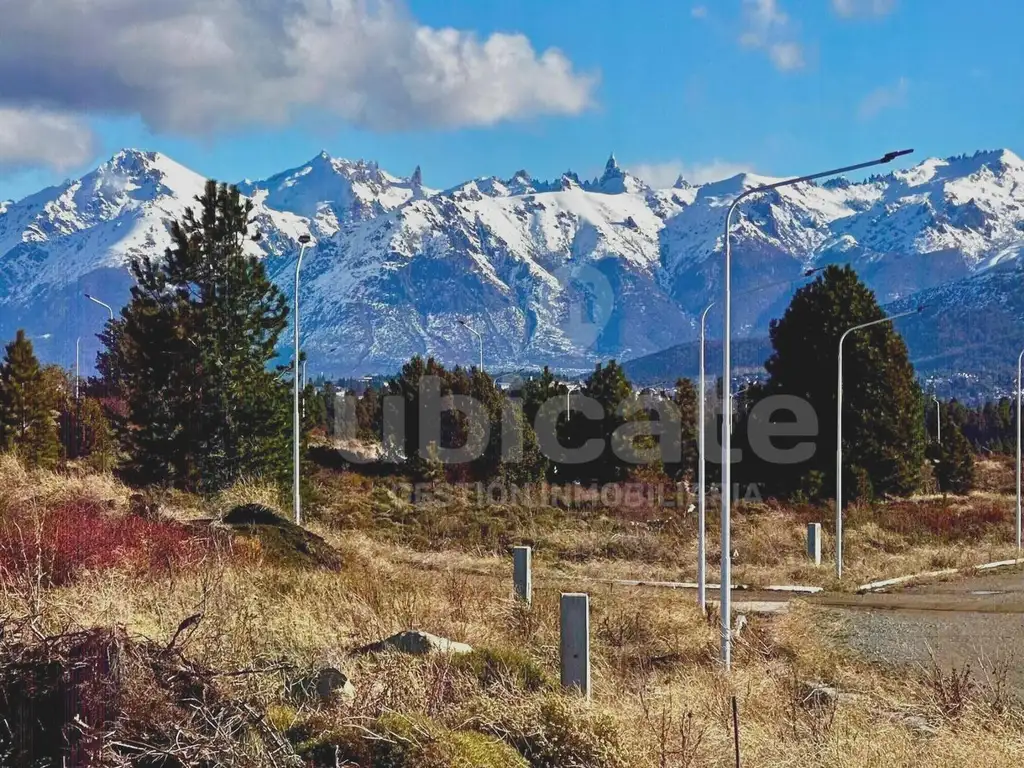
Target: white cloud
<point>699,12</point>
<point>34,137</point>
<point>199,66</point>
<point>767,27</point>
<point>850,8</point>
<point>883,98</point>
<point>664,174</point>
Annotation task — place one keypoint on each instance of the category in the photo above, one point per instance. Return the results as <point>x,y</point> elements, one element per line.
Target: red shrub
<point>79,536</point>
<point>938,519</point>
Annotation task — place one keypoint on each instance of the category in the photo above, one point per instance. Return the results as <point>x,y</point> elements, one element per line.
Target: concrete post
<point>574,642</point>
<point>522,575</point>
<point>814,542</point>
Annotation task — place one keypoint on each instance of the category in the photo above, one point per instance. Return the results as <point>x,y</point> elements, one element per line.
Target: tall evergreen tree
<point>883,418</point>
<point>685,399</point>
<point>954,467</point>
<point>28,423</point>
<point>190,354</point>
<point>609,386</point>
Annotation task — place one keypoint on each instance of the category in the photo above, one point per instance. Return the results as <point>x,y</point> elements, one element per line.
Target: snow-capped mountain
<point>331,192</point>
<point>560,272</point>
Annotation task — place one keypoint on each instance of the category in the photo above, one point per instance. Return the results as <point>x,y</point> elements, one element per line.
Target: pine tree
<point>883,417</point>
<point>190,355</point>
<point>954,469</point>
<point>685,399</point>
<point>609,386</point>
<point>28,423</point>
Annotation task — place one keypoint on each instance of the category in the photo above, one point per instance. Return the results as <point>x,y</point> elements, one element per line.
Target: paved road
<point>975,620</point>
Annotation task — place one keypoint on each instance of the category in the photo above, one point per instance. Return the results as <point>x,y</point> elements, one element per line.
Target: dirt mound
<point>279,541</point>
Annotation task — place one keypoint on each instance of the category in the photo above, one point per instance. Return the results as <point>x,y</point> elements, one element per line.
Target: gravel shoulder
<point>976,621</point>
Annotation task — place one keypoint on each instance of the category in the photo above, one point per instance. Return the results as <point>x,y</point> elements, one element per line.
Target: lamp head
<point>888,157</point>
<point>87,296</point>
<point>304,239</point>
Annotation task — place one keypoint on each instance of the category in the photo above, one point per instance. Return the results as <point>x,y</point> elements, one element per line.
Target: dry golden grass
<point>660,699</point>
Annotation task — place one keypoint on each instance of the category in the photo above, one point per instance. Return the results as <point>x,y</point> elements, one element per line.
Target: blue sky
<point>777,86</point>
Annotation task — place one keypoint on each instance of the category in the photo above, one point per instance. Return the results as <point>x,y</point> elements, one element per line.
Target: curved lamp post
<point>701,492</point>
<point>296,437</point>
<point>839,434</point>
<point>726,606</point>
<point>1019,357</point>
<point>479,337</point>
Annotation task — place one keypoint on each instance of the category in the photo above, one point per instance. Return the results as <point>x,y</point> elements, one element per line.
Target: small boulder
<point>333,684</point>
<point>416,643</point>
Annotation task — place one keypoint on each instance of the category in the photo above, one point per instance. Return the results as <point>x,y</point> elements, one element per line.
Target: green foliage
<point>456,430</point>
<point>609,386</point>
<point>555,730</point>
<point>685,399</point>
<point>28,422</point>
<point>883,424</point>
<point>954,468</point>
<point>190,354</point>
<point>400,741</point>
<point>990,427</point>
<point>97,438</point>
<point>492,666</point>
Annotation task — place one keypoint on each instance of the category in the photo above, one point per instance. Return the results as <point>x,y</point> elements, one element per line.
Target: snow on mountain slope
<point>559,272</point>
<point>332,191</point>
<point>101,220</point>
<point>518,265</point>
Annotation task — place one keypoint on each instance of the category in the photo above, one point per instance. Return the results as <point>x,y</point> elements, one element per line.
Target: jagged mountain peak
<point>332,191</point>
<point>615,180</point>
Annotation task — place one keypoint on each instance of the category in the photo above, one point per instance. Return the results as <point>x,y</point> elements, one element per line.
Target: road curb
<point>875,586</point>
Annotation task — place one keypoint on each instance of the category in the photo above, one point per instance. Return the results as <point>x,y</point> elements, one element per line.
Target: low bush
<point>399,741</point>
<point>554,731</point>
<point>491,666</point>
<point>54,546</point>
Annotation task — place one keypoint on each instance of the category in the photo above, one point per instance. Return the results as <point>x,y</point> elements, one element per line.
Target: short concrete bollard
<point>522,575</point>
<point>574,642</point>
<point>814,542</point>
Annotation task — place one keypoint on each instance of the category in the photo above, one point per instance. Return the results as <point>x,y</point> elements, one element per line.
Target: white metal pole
<point>701,518</point>
<point>1019,357</point>
<point>839,435</point>
<point>479,337</point>
<point>296,493</point>
<point>938,420</point>
<point>78,377</point>
<point>726,606</point>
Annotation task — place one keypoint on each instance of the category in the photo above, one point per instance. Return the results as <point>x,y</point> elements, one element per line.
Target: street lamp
<point>569,388</point>
<point>1021,355</point>
<point>701,504</point>
<point>296,494</point>
<point>726,606</point>
<point>839,434</point>
<point>938,420</point>
<point>479,337</point>
<point>102,304</point>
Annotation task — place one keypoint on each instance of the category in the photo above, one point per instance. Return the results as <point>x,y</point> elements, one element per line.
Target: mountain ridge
<point>562,272</point>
